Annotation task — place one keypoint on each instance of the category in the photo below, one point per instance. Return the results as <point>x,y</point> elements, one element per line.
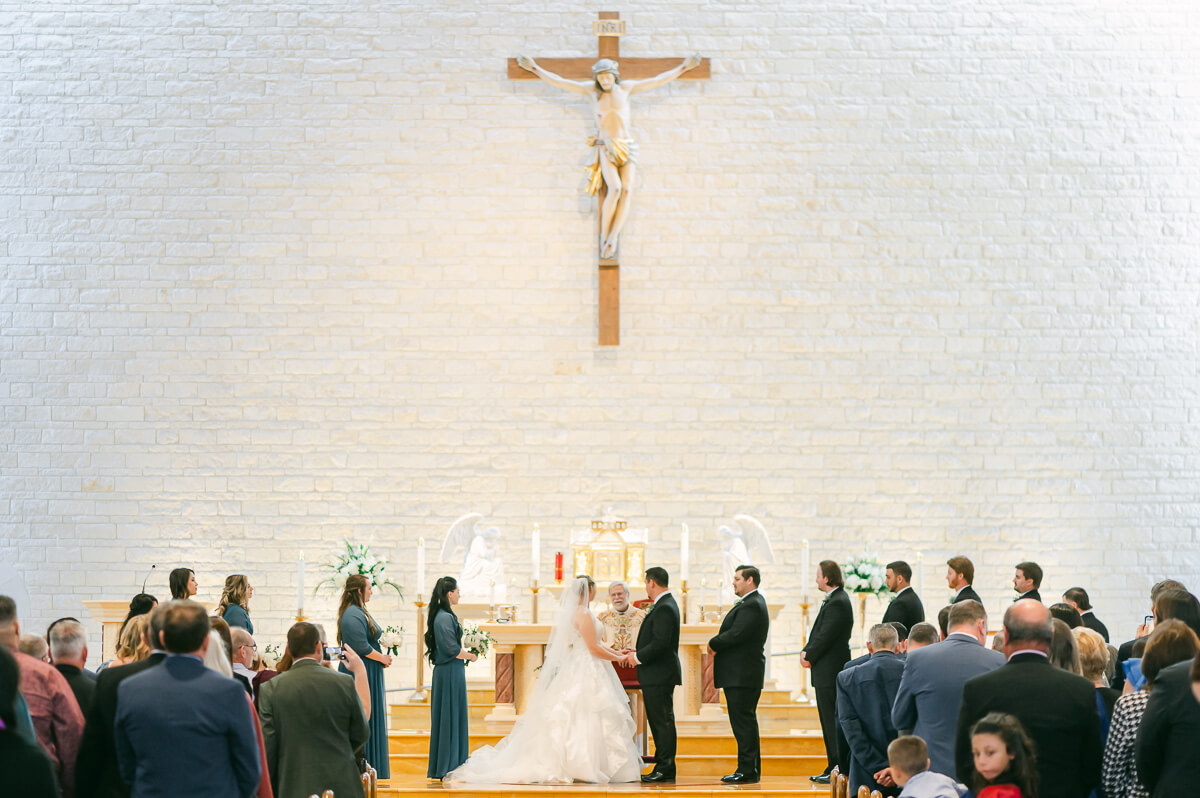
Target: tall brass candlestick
<point>420,693</point>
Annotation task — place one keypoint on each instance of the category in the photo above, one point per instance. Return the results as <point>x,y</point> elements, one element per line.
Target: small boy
<point>908,761</point>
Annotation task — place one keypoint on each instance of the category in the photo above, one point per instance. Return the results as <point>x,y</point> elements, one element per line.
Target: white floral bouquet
<point>357,558</point>
<point>865,575</point>
<point>475,639</point>
<point>391,640</point>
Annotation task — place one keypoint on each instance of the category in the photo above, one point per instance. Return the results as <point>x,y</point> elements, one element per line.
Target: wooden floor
<point>697,787</point>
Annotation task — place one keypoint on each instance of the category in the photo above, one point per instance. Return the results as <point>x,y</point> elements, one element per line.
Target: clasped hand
<point>628,658</point>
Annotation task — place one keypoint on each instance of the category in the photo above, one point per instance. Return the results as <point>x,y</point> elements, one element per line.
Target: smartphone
<point>334,653</point>
<point>1148,620</point>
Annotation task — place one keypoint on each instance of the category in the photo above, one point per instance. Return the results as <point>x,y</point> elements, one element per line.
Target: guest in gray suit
<point>931,688</point>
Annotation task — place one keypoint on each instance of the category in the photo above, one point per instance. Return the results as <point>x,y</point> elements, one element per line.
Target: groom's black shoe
<point>657,777</point>
<point>821,779</point>
<point>740,778</point>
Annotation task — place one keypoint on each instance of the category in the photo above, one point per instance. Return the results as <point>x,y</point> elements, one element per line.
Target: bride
<point>577,726</point>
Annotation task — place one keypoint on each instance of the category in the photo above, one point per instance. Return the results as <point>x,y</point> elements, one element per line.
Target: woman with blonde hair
<point>235,602</point>
<point>1093,662</point>
<point>357,630</point>
<point>131,645</point>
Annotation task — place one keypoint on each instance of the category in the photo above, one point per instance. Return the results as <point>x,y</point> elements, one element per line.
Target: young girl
<point>1004,759</point>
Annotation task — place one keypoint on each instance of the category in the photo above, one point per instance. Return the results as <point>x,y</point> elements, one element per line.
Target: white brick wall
<point>916,276</point>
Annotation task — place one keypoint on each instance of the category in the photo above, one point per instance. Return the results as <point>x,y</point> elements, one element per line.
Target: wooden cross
<point>609,28</point>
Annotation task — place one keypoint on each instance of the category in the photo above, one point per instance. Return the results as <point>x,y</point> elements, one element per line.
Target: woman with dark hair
<point>1170,642</point>
<point>359,631</point>
<point>1179,604</point>
<point>448,745</point>
<point>1003,759</point>
<point>235,602</point>
<point>1169,735</point>
<point>27,770</point>
<point>141,604</point>
<point>183,583</point>
<point>1064,651</point>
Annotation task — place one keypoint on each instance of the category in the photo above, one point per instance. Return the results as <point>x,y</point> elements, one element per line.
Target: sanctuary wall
<point>905,277</point>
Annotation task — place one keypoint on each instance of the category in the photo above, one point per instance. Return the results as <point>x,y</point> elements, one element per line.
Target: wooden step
<point>685,787</point>
<point>417,764</point>
<point>413,742</point>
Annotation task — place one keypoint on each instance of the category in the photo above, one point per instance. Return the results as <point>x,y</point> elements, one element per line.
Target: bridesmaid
<point>183,583</point>
<point>235,602</point>
<point>358,630</point>
<point>448,746</point>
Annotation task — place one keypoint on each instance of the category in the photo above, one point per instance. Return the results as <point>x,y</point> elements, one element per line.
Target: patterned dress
<point>1119,775</point>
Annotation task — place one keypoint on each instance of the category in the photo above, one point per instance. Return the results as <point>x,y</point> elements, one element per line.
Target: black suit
<point>906,608</point>
<point>828,649</point>
<point>1124,652</point>
<point>739,668</point>
<point>967,592</point>
<point>1169,735</point>
<point>1057,709</point>
<point>82,684</point>
<point>658,672</point>
<point>1032,594</point>
<point>1092,622</point>
<point>96,774</point>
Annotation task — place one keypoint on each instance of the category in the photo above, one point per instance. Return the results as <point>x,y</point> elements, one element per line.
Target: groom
<point>657,661</point>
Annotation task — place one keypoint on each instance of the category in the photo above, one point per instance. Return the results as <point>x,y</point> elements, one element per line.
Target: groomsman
<point>1027,578</point>
<point>827,651</point>
<point>906,607</point>
<point>1077,597</point>
<point>739,667</point>
<point>960,573</point>
<point>658,670</point>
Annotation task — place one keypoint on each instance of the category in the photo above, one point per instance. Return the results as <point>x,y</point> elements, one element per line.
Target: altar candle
<point>806,576</point>
<point>683,553</point>
<point>420,568</point>
<point>492,593</point>
<point>536,551</point>
<point>558,566</point>
<point>919,582</point>
<point>300,584</point>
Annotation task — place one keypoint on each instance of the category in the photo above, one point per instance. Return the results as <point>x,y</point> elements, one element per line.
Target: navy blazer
<point>930,693</point>
<point>864,708</point>
<point>740,661</point>
<point>185,731</point>
<point>828,647</point>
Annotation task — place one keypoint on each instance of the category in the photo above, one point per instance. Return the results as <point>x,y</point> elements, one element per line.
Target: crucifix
<point>608,83</point>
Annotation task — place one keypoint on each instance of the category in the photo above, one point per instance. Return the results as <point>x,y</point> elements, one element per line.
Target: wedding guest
<point>182,730</point>
<point>1093,659</point>
<point>131,643</point>
<point>906,607</point>
<point>448,743</point>
<point>923,634</point>
<point>908,764</point>
<point>1169,736</point>
<point>244,652</point>
<point>215,658</point>
<point>1171,642</point>
<point>1125,649</point>
<point>1077,597</point>
<point>312,721</point>
<point>1002,757</point>
<point>234,606</point>
<point>865,695</point>
<point>1067,614</point>
<point>1064,653</point>
<point>34,646</point>
<point>1027,578</point>
<point>944,618</point>
<point>359,631</point>
<point>960,573</point>
<point>1178,604</point>
<point>26,769</point>
<point>68,653</point>
<point>141,604</point>
<point>57,721</point>
<point>183,583</point>
<point>828,649</point>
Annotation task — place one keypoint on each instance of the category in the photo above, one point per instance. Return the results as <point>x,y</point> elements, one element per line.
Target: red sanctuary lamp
<point>558,567</point>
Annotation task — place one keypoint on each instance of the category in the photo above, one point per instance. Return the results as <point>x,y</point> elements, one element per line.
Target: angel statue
<point>616,151</point>
<point>745,543</point>
<point>482,577</point>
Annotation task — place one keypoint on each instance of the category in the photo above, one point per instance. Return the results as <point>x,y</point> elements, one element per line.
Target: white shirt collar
<point>901,592</point>
<point>961,589</point>
<point>660,595</point>
<point>747,594</point>
<point>1029,651</point>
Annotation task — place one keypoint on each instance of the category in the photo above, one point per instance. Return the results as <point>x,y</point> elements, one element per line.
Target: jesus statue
<point>616,151</point>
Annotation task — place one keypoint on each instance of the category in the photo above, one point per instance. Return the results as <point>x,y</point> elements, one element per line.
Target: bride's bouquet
<point>391,640</point>
<point>475,639</point>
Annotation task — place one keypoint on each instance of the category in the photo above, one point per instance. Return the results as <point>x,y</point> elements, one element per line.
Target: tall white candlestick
<point>806,575</point>
<point>919,580</point>
<point>300,584</point>
<point>683,553</point>
<point>536,551</point>
<point>420,569</point>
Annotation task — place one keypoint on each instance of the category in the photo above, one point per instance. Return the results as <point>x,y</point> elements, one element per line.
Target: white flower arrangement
<point>357,558</point>
<point>391,640</point>
<point>475,639</point>
<point>865,574</point>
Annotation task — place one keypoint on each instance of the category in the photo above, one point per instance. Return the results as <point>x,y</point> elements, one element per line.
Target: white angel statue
<point>745,543</point>
<point>481,579</point>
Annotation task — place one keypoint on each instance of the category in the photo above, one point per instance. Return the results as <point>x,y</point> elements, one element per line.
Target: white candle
<point>683,553</point>
<point>300,584</point>
<point>806,576</point>
<point>492,593</point>
<point>919,577</point>
<point>536,551</point>
<point>420,569</point>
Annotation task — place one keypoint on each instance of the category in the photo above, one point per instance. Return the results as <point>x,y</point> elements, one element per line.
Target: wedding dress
<point>577,726</point>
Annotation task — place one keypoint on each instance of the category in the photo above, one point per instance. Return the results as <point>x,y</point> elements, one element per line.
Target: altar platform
<point>684,787</point>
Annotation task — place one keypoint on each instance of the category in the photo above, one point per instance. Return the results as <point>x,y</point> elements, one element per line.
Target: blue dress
<point>363,636</point>
<point>448,744</point>
<point>236,615</point>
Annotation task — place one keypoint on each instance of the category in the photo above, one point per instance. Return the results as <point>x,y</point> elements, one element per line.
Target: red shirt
<point>57,719</point>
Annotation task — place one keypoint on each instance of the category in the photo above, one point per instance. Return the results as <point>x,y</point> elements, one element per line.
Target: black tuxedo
<point>1057,709</point>
<point>96,774</point>
<point>906,608</point>
<point>739,668</point>
<point>658,672</point>
<point>967,592</point>
<point>1032,594</point>
<point>1092,622</point>
<point>828,649</point>
<point>1169,735</point>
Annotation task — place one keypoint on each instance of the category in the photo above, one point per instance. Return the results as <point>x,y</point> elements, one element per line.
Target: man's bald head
<point>1028,624</point>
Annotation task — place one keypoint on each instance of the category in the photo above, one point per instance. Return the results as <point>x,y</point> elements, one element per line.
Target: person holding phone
<point>357,630</point>
<point>448,743</point>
